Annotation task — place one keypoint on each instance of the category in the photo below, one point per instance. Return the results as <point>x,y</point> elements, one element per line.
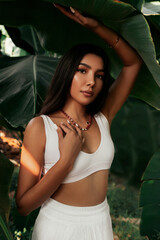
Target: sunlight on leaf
<point>151,8</point>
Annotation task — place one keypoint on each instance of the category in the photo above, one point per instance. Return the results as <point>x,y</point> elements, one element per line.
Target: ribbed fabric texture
<point>85,163</point>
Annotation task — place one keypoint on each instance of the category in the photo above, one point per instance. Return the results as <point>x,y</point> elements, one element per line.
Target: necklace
<point>76,124</point>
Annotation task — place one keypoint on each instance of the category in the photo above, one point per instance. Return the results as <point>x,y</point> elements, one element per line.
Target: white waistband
<point>74,210</point>
<point>63,212</point>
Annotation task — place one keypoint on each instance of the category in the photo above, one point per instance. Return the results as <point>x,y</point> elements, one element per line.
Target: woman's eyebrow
<point>86,65</point>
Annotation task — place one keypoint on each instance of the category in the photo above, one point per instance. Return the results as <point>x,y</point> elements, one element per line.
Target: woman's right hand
<point>75,15</point>
<point>70,144</point>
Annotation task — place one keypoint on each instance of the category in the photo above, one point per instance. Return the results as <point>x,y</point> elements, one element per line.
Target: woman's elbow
<point>22,208</point>
<point>137,64</point>
<point>138,60</point>
<point>23,212</point>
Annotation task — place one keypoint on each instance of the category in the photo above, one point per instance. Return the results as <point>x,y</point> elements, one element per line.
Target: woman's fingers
<point>67,127</point>
<point>73,14</point>
<point>81,19</point>
<point>60,133</point>
<point>79,132</point>
<point>64,11</point>
<point>75,128</point>
<point>72,10</point>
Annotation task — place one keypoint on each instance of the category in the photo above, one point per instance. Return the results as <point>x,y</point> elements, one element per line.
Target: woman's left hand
<point>78,17</point>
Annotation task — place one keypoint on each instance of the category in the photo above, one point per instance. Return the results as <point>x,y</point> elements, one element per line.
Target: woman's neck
<point>76,111</point>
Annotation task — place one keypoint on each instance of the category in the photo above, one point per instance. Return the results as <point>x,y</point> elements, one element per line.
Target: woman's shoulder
<point>57,117</point>
<point>34,133</point>
<point>35,122</point>
<point>35,126</point>
<point>103,116</point>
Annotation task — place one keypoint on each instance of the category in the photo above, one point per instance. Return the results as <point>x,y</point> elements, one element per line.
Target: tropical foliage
<point>56,33</point>
<point>5,180</point>
<point>136,135</point>
<point>150,199</point>
<point>42,31</point>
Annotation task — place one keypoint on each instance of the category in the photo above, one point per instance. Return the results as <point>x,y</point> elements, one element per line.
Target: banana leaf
<point>136,135</point>
<point>138,4</point>
<point>57,33</point>
<point>25,37</point>
<point>150,199</point>
<point>150,220</point>
<point>151,8</point>
<point>24,82</point>
<point>4,231</point>
<point>5,180</point>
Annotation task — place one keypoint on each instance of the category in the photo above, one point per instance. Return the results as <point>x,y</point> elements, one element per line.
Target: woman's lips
<point>87,93</point>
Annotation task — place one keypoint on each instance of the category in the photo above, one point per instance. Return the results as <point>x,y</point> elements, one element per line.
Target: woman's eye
<point>100,76</point>
<point>81,70</point>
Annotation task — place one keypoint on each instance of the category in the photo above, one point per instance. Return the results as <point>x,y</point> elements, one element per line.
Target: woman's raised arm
<point>122,86</point>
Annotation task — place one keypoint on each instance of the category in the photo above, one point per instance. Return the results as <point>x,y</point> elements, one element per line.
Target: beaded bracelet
<point>117,40</point>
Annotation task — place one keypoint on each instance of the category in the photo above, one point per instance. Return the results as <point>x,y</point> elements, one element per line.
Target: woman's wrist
<point>107,34</point>
<point>64,164</point>
<point>115,43</point>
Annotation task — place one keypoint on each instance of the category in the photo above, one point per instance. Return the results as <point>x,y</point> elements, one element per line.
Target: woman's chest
<point>93,138</point>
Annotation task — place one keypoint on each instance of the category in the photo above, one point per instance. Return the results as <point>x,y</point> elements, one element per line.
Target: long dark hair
<point>61,82</point>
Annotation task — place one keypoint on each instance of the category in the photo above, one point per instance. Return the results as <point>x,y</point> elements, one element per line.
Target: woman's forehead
<point>92,60</point>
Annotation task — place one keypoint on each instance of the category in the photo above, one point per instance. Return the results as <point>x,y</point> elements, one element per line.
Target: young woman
<point>69,143</point>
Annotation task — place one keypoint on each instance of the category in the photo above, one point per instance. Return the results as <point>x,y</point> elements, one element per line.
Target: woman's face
<point>88,79</point>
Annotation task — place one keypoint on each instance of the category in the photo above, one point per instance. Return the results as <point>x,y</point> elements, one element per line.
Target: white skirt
<point>58,221</point>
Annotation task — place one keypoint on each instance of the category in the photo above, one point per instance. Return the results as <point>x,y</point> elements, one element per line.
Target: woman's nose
<point>91,81</point>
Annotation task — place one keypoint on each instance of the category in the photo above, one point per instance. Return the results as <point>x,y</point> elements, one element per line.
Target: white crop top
<point>86,163</point>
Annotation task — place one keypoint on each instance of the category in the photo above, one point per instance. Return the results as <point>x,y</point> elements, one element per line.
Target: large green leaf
<point>58,33</point>
<point>150,193</point>
<point>151,8</point>
<point>138,4</point>
<point>5,180</point>
<point>150,220</point>
<point>8,125</point>
<point>153,168</point>
<point>25,37</point>
<point>150,198</point>
<point>4,231</point>
<point>24,82</point>
<point>145,88</point>
<point>136,135</point>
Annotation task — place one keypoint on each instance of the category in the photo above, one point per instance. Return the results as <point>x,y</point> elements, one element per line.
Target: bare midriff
<point>88,191</point>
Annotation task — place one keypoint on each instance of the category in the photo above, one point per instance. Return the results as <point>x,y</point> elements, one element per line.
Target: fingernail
<point>68,121</point>
<point>62,123</point>
<point>54,4</point>
<point>72,10</point>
